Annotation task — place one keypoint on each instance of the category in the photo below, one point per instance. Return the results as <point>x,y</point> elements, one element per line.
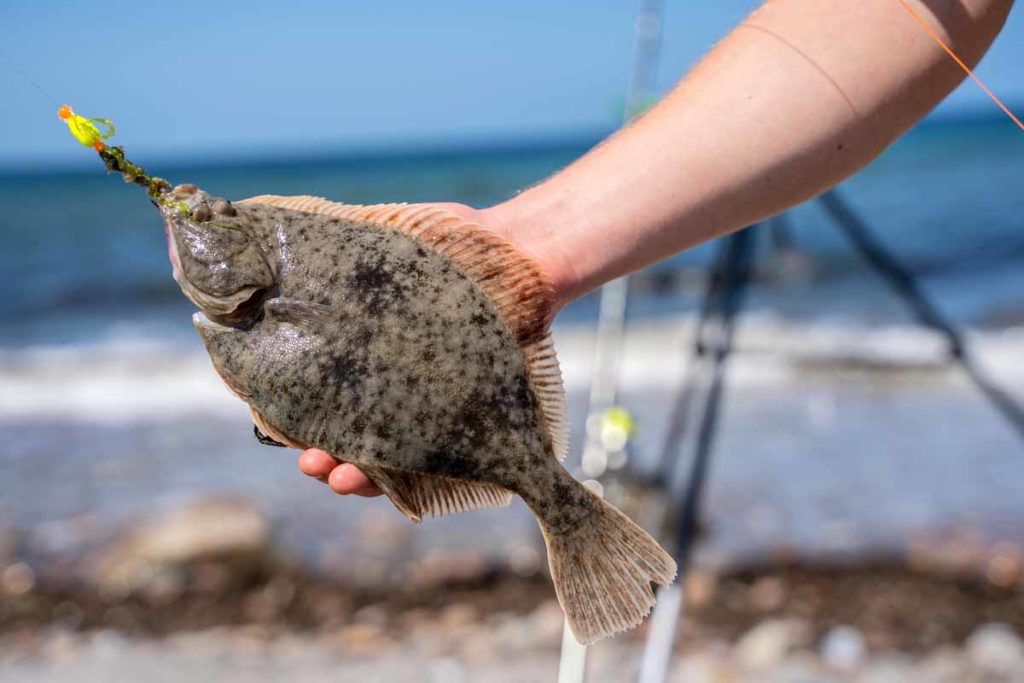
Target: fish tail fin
<point>603,567</point>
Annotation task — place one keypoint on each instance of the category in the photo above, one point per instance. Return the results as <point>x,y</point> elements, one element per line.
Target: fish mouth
<point>204,322</point>
<point>172,252</point>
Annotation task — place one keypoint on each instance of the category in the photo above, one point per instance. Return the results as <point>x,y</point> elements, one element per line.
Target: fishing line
<point>935,36</point>
<point>17,67</point>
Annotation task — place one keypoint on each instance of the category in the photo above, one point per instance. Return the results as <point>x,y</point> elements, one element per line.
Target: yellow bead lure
<point>86,130</point>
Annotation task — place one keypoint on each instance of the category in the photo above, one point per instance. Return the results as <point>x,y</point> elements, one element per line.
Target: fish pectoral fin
<point>418,495</point>
<point>297,312</point>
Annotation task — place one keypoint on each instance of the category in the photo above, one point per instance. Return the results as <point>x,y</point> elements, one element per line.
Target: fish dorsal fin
<point>512,281</point>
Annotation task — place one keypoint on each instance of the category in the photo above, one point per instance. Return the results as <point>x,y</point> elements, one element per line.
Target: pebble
<point>547,623</point>
<point>364,639</point>
<point>767,644</point>
<point>945,665</point>
<point>193,536</point>
<point>60,645</point>
<point>700,588</point>
<point>108,644</point>
<point>767,593</point>
<point>701,666</point>
<point>211,528</point>
<point>996,648</point>
<point>889,668</point>
<point>843,648</point>
<point>17,579</point>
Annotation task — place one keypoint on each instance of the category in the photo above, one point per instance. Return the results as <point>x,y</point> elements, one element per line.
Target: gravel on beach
<point>232,620</point>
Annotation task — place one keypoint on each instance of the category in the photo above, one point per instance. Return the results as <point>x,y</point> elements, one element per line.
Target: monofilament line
<point>17,67</point>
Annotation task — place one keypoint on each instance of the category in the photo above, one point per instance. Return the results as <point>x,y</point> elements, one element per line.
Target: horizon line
<point>439,147</point>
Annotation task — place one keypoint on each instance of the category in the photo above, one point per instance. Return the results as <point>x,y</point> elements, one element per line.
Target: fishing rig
<point>87,132</point>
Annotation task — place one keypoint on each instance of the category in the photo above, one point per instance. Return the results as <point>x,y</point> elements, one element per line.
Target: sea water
<point>843,428</point>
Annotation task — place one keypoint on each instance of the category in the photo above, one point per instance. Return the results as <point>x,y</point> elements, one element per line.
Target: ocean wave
<point>140,377</point>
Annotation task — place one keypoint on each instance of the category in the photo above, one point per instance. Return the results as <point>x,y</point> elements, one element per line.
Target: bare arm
<point>800,96</point>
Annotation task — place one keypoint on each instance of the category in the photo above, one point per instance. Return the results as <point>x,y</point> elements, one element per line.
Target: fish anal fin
<point>419,495</point>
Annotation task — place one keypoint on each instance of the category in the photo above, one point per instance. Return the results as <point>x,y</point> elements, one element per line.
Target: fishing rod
<point>614,296</point>
<point>726,286</point>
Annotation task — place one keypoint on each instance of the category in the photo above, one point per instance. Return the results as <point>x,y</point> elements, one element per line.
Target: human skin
<point>798,97</point>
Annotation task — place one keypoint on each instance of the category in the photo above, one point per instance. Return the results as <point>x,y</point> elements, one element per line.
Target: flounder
<point>415,345</point>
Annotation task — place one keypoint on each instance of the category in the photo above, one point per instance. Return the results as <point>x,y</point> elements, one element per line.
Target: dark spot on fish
<point>563,495</point>
<point>375,286</point>
<point>345,370</point>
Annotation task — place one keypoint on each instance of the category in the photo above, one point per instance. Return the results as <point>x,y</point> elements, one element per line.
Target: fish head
<point>216,254</point>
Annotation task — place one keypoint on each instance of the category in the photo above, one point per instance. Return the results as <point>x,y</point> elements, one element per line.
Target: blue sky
<point>203,79</point>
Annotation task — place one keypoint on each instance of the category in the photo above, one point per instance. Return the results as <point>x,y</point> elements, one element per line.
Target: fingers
<point>346,479</point>
<point>317,463</point>
<point>343,478</point>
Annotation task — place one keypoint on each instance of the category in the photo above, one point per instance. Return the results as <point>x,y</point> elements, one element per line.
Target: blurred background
<point>863,512</point>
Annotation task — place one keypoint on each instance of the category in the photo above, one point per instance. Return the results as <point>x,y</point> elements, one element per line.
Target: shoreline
<point>876,622</point>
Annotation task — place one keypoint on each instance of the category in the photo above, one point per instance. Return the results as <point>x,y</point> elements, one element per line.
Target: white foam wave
<point>134,378</point>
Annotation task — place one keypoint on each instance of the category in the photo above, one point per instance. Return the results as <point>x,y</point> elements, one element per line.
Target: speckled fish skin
<point>410,367</point>
<point>362,341</point>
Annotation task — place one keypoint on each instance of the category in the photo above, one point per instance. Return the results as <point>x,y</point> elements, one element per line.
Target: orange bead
<point>99,146</point>
<point>64,113</point>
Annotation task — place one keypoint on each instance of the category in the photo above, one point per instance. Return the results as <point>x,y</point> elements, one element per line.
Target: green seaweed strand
<point>116,162</point>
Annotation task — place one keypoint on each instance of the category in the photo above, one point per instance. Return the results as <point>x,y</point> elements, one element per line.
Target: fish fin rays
<point>546,378</point>
<point>309,204</point>
<point>305,314</point>
<point>513,282</point>
<point>603,569</point>
<point>419,495</point>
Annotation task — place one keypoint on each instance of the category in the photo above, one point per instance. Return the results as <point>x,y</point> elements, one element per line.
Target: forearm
<point>800,96</point>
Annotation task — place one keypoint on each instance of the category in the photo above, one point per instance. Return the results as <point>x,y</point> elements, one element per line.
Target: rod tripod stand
<point>701,394</point>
